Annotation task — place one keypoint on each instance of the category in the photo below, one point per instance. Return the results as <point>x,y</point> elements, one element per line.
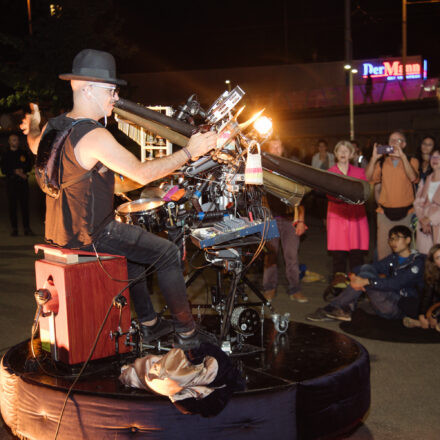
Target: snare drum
<point>148,213</point>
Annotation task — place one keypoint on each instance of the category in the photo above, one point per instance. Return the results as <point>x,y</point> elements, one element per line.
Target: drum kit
<point>148,211</point>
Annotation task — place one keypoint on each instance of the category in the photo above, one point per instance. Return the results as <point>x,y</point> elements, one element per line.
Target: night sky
<point>198,35</point>
<point>195,34</point>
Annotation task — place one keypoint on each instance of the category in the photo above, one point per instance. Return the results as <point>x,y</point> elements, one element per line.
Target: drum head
<point>141,205</point>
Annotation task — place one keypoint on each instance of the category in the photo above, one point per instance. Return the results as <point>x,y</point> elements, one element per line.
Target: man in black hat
<point>82,216</point>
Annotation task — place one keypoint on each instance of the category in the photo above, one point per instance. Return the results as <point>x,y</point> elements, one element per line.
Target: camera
<point>384,149</point>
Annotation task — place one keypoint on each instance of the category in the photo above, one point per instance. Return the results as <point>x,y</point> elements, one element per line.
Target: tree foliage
<point>30,64</point>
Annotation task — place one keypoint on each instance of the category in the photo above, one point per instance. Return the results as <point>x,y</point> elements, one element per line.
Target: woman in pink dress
<point>347,225</point>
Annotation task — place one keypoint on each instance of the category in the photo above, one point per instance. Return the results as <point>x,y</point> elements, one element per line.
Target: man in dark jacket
<point>16,164</point>
<point>392,284</point>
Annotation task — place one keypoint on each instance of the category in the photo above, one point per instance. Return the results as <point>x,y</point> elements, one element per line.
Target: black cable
<point>91,353</point>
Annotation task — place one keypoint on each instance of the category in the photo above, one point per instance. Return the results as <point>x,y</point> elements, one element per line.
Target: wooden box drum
<point>81,293</point>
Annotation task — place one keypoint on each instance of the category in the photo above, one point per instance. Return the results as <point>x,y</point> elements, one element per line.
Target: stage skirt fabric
<point>309,409</point>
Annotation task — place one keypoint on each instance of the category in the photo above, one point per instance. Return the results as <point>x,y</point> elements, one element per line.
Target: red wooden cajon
<point>81,293</point>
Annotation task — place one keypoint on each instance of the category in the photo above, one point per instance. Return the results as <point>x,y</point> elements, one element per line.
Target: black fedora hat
<point>94,65</point>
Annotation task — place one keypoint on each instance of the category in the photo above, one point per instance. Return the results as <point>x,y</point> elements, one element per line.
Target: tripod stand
<point>228,258</point>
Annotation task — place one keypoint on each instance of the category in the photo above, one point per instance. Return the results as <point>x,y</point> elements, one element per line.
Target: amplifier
<point>81,293</point>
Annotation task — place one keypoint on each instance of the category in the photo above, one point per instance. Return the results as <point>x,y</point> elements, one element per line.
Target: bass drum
<point>148,213</point>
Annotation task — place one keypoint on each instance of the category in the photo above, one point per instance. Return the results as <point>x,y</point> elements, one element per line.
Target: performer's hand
<point>200,143</point>
<point>31,121</point>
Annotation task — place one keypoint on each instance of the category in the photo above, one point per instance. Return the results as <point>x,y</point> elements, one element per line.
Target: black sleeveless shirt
<point>75,218</point>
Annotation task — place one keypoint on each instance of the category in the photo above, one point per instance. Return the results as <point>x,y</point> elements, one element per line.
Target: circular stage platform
<point>307,383</point>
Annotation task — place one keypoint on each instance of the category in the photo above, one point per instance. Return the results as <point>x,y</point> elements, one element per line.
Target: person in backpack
<point>397,175</point>
<point>81,217</point>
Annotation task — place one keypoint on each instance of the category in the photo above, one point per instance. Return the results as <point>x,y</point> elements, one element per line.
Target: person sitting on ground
<point>392,285</point>
<point>430,294</point>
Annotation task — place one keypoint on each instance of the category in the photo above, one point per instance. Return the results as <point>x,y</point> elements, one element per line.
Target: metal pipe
<point>350,86</point>
<point>146,113</point>
<point>348,189</point>
<point>154,127</point>
<point>404,49</point>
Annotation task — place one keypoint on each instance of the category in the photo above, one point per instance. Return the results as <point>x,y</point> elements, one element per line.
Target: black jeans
<point>142,249</point>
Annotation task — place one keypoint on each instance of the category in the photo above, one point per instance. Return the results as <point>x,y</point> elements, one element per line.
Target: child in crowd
<point>347,224</point>
<point>431,292</point>
<point>392,285</point>
<point>427,207</point>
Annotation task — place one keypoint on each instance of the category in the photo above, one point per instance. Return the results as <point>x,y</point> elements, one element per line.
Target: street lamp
<point>228,82</point>
<point>351,70</point>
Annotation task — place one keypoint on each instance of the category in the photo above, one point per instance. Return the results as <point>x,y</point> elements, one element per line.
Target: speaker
<point>81,292</point>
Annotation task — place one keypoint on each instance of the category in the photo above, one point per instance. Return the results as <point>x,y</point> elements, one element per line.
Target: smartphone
<point>384,149</point>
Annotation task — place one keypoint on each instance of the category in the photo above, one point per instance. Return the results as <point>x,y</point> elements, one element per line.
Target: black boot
<point>194,339</point>
<point>156,331</point>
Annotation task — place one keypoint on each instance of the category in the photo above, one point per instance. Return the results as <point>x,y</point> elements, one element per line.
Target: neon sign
<point>393,70</point>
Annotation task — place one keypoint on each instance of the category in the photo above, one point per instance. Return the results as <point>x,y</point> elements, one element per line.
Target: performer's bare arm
<point>100,145</point>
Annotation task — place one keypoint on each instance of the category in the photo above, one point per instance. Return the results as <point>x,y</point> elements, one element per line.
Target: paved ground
<point>405,377</point>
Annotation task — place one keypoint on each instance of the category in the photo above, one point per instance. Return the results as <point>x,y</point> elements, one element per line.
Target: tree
<point>30,64</point>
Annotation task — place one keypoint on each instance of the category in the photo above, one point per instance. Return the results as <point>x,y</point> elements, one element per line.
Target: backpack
<point>49,155</point>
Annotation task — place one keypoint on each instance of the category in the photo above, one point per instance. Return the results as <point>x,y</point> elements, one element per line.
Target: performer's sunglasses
<point>113,90</point>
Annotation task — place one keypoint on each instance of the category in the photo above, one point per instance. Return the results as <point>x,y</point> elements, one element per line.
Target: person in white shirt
<point>323,159</point>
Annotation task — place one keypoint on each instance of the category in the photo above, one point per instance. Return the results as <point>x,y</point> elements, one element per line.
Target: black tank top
<point>75,218</point>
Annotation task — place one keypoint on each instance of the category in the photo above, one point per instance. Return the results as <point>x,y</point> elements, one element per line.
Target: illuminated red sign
<point>392,70</point>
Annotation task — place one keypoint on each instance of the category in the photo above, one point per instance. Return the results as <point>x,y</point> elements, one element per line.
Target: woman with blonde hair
<point>347,225</point>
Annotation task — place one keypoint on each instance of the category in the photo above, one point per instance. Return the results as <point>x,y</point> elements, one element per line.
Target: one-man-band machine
<point>216,202</point>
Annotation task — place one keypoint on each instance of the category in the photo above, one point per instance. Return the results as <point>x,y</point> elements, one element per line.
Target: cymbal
<point>151,192</point>
<point>124,184</point>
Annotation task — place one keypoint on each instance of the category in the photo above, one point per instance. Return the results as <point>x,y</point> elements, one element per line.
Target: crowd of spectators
<point>406,190</point>
<point>407,205</point>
